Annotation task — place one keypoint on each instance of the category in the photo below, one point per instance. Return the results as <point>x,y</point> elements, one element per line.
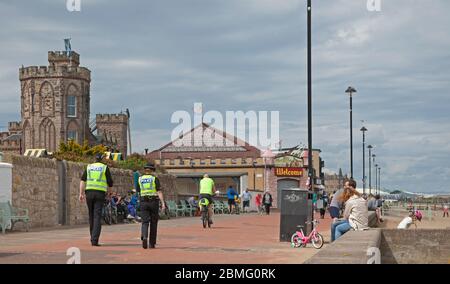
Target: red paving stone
<point>234,239</point>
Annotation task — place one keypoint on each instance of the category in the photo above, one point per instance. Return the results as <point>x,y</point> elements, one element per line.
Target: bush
<point>72,151</point>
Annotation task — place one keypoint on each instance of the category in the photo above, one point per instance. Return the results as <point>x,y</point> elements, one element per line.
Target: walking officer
<point>151,196</point>
<point>95,183</point>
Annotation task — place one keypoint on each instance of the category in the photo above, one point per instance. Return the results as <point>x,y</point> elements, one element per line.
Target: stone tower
<point>55,102</point>
<point>114,127</point>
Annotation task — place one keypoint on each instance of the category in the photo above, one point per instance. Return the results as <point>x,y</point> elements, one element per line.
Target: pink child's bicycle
<point>299,239</point>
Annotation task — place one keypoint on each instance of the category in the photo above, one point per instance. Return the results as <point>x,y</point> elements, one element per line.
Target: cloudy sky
<point>156,57</point>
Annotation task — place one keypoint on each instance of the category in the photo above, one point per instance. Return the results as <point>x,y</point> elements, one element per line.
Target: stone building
<point>55,107</point>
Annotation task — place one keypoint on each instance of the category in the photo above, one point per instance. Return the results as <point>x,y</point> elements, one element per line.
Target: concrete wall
<point>421,246</point>
<point>50,193</point>
<point>415,246</point>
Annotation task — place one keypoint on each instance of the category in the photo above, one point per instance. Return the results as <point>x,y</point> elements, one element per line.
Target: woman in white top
<point>355,212</point>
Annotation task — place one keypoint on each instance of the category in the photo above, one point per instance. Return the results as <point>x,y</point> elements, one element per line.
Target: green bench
<point>226,208</point>
<point>175,209</point>
<point>218,207</point>
<point>10,215</point>
<point>188,208</point>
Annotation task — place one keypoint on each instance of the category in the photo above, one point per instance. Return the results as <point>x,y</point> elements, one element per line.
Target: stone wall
<point>415,246</point>
<point>35,187</point>
<point>39,186</point>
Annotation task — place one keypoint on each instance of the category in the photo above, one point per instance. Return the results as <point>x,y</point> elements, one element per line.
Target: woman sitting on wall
<point>355,212</point>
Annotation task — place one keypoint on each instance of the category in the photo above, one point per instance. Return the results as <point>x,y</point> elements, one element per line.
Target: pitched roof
<point>205,141</point>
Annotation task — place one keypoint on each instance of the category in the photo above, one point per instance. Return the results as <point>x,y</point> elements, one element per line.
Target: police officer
<point>151,195</point>
<point>95,183</point>
<point>207,190</point>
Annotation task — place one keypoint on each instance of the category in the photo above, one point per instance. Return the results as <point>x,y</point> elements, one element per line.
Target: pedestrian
<point>96,182</point>
<point>258,203</point>
<point>231,193</point>
<point>246,198</point>
<point>379,209</point>
<point>445,209</point>
<point>267,201</point>
<point>336,205</point>
<point>151,194</point>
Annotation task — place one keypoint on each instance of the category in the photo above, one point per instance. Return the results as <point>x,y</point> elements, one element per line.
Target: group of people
<point>356,209</point>
<point>126,205</point>
<point>96,185</point>
<point>263,201</point>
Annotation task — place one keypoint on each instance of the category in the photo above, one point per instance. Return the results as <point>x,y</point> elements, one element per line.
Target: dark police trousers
<point>149,214</point>
<point>95,200</point>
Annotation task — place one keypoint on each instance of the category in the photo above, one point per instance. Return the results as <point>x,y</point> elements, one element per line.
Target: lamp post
<point>370,169</point>
<point>310,165</point>
<point>379,180</point>
<point>376,178</point>
<point>350,91</point>
<point>254,175</point>
<point>363,130</point>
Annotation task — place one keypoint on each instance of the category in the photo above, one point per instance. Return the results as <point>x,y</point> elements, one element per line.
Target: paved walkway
<point>234,239</point>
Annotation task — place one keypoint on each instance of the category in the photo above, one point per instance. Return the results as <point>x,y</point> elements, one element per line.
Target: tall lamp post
<point>310,165</point>
<point>376,178</point>
<point>254,175</point>
<point>370,168</point>
<point>379,180</point>
<point>363,130</point>
<point>350,91</point>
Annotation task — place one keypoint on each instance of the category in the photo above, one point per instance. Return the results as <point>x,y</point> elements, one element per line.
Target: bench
<point>226,208</point>
<point>218,208</point>
<point>178,209</point>
<point>10,215</point>
<point>188,208</point>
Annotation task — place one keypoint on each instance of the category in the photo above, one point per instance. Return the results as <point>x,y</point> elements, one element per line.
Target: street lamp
<point>363,130</point>
<point>376,178</point>
<point>379,180</point>
<point>370,169</point>
<point>350,91</point>
<point>254,175</point>
<point>310,165</point>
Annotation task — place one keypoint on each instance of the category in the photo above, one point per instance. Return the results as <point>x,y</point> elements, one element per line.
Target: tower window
<point>71,106</point>
<point>72,135</point>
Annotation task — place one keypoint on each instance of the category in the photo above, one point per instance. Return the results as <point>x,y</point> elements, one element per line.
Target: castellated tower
<point>55,102</point>
<point>114,127</point>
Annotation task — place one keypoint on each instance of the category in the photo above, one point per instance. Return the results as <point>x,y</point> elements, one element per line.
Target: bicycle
<point>204,205</point>
<point>299,239</point>
<point>109,213</point>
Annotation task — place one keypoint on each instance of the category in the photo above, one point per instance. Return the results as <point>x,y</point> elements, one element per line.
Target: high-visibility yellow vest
<point>147,185</point>
<point>96,177</point>
<point>206,186</point>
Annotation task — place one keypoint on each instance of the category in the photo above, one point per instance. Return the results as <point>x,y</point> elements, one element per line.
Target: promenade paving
<point>234,239</point>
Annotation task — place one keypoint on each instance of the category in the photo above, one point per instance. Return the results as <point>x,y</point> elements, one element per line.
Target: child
<point>411,219</point>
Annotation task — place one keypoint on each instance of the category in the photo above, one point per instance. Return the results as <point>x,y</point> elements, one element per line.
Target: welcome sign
<point>288,172</point>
